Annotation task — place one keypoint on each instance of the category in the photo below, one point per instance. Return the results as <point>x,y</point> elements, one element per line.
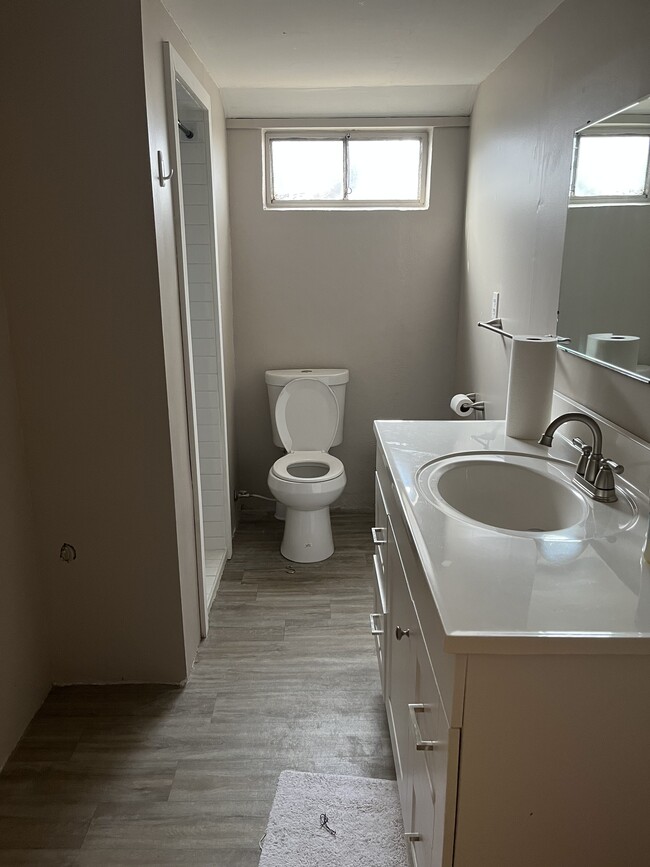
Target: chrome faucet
<point>594,474</point>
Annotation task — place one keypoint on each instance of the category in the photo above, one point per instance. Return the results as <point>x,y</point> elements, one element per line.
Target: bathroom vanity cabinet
<point>513,747</point>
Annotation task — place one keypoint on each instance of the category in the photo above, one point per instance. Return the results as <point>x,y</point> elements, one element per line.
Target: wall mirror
<point>605,287</point>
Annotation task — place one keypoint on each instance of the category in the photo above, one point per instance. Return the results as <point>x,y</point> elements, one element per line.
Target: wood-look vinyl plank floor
<point>157,775</point>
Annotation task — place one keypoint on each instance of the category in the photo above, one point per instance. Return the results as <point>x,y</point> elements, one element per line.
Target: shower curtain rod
<point>188,132</point>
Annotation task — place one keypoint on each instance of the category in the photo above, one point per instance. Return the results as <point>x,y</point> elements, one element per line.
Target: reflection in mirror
<point>605,287</point>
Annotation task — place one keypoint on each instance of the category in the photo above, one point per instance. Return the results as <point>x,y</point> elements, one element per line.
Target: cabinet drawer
<point>431,760</point>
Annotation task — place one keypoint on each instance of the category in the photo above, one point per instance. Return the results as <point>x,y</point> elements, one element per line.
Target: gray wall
<point>24,639</point>
<point>83,302</point>
<point>376,292</point>
<point>89,276</point>
<point>587,60</point>
<point>93,444</point>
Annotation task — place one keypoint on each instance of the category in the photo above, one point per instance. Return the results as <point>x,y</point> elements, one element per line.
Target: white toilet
<point>307,417</point>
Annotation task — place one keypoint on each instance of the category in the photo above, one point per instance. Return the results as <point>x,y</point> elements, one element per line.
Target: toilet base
<point>307,536</point>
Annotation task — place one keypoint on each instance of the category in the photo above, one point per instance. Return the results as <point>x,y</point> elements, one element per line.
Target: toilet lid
<point>307,416</point>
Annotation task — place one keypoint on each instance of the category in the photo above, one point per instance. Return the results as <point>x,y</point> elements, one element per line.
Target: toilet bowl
<point>306,480</point>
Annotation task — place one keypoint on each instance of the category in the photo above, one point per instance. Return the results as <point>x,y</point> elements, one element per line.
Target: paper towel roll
<point>461,404</point>
<point>619,349</point>
<point>530,386</point>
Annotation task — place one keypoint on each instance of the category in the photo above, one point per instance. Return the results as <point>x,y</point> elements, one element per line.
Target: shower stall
<point>196,247</point>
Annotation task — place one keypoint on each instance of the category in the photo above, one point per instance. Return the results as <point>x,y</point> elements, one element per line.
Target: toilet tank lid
<point>328,375</point>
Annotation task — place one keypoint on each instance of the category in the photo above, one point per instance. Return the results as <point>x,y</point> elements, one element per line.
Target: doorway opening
<point>189,118</point>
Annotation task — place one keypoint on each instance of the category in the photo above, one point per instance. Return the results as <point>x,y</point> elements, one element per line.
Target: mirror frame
<point>630,373</point>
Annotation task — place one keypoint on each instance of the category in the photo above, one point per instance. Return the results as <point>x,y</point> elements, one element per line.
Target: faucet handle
<point>604,487</point>
<point>586,450</point>
<point>613,466</point>
<point>581,469</point>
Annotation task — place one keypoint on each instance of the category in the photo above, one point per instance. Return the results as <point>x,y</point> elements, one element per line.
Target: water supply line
<point>244,495</point>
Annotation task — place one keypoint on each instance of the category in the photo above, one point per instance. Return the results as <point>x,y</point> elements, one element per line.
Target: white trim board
<point>342,122</point>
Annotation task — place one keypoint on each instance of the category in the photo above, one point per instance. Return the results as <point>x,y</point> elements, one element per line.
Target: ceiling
<point>642,107</point>
<point>292,58</point>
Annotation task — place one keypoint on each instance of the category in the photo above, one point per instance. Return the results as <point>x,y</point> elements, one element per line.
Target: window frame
<point>610,131</point>
<point>423,134</point>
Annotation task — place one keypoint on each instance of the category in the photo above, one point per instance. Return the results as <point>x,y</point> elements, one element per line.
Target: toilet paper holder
<point>463,404</point>
<point>477,405</point>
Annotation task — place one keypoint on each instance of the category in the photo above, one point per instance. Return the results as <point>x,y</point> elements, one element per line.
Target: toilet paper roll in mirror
<point>461,404</point>
<point>621,350</point>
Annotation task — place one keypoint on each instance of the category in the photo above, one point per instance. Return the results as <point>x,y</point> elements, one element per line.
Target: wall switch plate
<point>494,311</point>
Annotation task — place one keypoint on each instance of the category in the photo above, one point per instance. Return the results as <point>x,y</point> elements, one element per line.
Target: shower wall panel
<point>201,269</point>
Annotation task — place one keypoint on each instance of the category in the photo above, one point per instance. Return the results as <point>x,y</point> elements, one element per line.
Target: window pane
<point>385,170</point>
<point>307,169</point>
<point>611,165</point>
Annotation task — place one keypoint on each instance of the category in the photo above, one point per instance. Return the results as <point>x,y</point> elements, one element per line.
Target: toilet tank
<point>335,378</point>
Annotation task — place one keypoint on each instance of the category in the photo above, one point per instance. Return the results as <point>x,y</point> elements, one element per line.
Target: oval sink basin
<point>518,493</point>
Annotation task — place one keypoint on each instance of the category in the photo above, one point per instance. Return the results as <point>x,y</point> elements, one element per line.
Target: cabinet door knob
<point>400,633</point>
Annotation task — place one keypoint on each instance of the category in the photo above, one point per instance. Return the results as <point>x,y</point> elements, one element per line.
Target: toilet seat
<point>282,467</point>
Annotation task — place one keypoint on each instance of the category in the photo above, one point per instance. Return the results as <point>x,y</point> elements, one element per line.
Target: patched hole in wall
<point>68,553</point>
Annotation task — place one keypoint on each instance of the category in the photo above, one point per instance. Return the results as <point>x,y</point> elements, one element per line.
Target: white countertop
<point>529,594</point>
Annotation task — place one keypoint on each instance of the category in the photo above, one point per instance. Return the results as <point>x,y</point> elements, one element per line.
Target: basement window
<point>346,169</point>
<point>611,167</point>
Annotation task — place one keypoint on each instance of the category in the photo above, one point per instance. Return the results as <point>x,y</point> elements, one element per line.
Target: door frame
<point>176,70</point>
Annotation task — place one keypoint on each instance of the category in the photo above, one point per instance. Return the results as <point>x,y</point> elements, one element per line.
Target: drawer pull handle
<point>375,535</point>
<point>400,633</point>
<point>412,838</point>
<point>420,742</point>
<point>374,629</point>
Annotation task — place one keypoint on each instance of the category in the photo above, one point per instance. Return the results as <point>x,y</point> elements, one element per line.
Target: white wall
<point>24,638</point>
<point>376,292</point>
<point>587,60</point>
<point>204,327</point>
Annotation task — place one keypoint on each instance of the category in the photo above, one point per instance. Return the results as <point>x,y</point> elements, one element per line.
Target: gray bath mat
<point>364,813</point>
